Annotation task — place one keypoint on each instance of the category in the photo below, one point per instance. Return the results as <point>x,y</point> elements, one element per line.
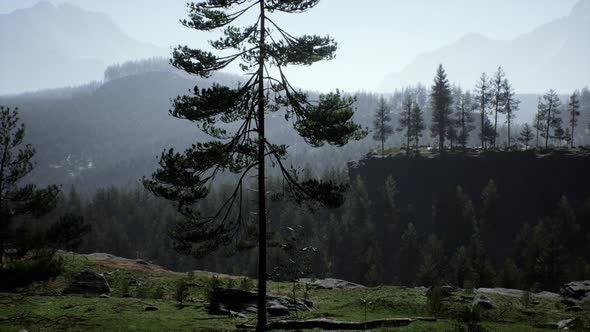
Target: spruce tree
<point>382,130</point>
<point>417,124</point>
<point>498,101</point>
<point>526,135</point>
<point>16,199</point>
<point>405,120</point>
<point>574,113</point>
<point>264,50</point>
<point>483,97</point>
<point>511,106</point>
<point>441,100</point>
<point>549,113</point>
<point>409,255</point>
<point>465,118</point>
<point>538,124</point>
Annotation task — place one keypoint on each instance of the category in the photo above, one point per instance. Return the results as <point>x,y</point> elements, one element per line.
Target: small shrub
<point>230,283</point>
<point>434,301</point>
<point>525,299</point>
<point>122,286</point>
<point>469,320</point>
<point>143,292</point>
<point>181,290</point>
<point>210,285</point>
<point>24,272</point>
<point>158,293</point>
<point>246,284</point>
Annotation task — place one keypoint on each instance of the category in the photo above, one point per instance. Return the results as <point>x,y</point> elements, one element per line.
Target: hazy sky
<point>388,32</point>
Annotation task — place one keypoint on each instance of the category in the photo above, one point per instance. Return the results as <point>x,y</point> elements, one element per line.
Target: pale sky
<point>376,37</point>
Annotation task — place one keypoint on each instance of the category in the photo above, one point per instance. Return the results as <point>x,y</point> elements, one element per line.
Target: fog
<point>384,45</point>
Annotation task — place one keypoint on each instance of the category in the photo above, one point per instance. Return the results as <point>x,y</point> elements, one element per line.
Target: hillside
<point>143,298</point>
<point>48,46</point>
<point>552,56</point>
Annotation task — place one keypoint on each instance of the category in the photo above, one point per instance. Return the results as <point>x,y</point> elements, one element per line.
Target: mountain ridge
<point>49,46</point>
<point>550,56</point>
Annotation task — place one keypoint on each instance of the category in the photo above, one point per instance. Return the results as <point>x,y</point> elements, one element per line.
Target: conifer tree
<point>382,130</point>
<point>417,124</point>
<point>549,114</point>
<point>409,255</point>
<point>264,50</point>
<point>574,113</point>
<point>483,97</point>
<point>405,121</point>
<point>441,100</point>
<point>511,106</point>
<point>498,100</point>
<point>526,135</point>
<point>465,118</point>
<point>538,124</point>
<point>16,200</point>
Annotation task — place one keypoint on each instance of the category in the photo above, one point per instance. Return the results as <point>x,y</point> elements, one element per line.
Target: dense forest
<point>368,239</point>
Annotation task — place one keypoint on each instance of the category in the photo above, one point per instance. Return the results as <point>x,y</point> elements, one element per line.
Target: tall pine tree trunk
<point>495,125</point>
<point>508,129</point>
<point>573,125</point>
<point>261,324</point>
<point>483,114</point>
<point>547,128</point>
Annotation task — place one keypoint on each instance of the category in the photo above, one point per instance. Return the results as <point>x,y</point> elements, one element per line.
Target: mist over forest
<point>135,179</point>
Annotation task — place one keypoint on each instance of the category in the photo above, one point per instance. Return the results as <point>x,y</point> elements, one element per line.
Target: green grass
<point>41,308</point>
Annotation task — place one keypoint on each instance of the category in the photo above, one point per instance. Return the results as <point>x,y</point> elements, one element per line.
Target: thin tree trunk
<point>261,324</point>
<point>495,125</point>
<point>547,127</point>
<point>483,114</point>
<point>508,115</point>
<point>463,135</point>
<point>573,124</point>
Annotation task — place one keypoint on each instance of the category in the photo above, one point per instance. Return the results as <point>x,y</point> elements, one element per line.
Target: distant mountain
<point>49,46</point>
<point>110,133</point>
<point>555,55</point>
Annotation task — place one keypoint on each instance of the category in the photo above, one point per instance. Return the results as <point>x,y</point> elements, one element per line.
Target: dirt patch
<point>136,265</point>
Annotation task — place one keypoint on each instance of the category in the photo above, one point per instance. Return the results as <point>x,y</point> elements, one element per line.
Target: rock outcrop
<point>330,283</point>
<point>88,282</point>
<point>226,301</point>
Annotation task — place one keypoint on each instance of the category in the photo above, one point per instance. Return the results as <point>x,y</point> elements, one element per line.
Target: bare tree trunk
<point>261,324</point>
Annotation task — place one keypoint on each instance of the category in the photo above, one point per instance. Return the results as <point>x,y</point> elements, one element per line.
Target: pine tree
<point>483,97</point>
<point>526,136</point>
<point>465,118</point>
<point>16,200</point>
<point>511,106</point>
<point>549,114</point>
<point>417,124</point>
<point>381,129</point>
<point>538,124</point>
<point>574,113</point>
<point>431,271</point>
<point>405,121</point>
<point>498,101</point>
<point>441,101</point>
<point>265,50</point>
<point>409,255</point>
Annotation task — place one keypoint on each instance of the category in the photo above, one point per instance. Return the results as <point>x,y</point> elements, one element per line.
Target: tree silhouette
<point>498,100</point>
<point>16,162</point>
<point>526,136</point>
<point>574,113</point>
<point>511,106</point>
<point>263,49</point>
<point>483,97</point>
<point>549,114</point>
<point>382,130</point>
<point>441,107</point>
